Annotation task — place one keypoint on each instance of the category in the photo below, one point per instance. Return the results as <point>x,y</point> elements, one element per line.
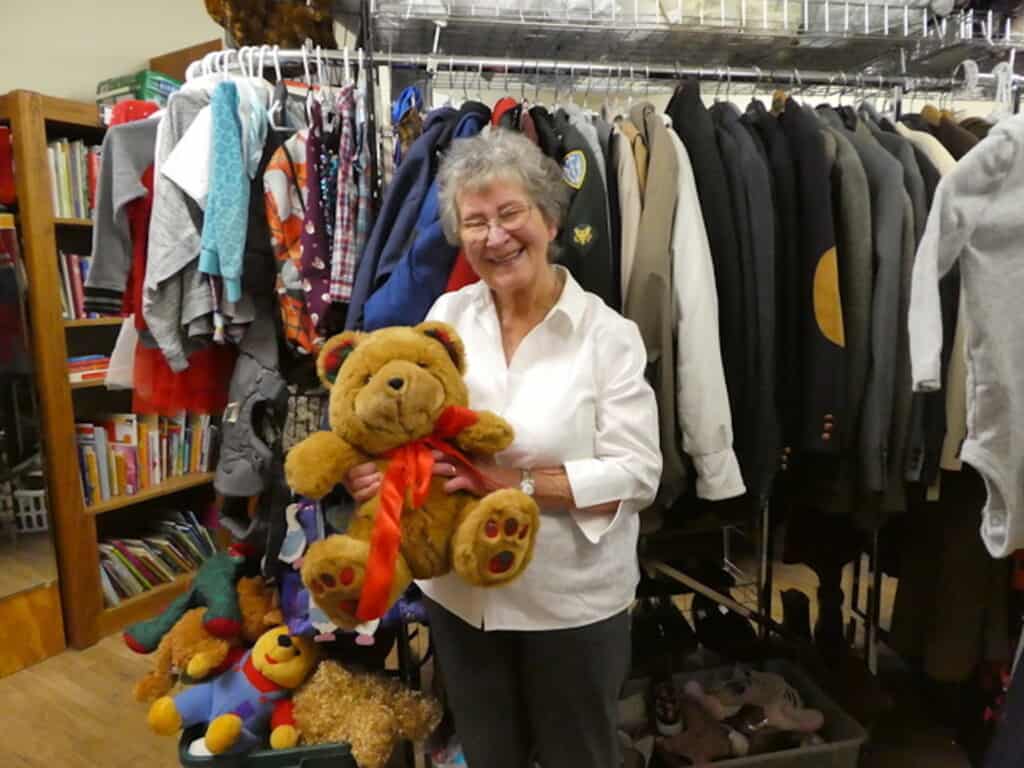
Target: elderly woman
<point>533,669</point>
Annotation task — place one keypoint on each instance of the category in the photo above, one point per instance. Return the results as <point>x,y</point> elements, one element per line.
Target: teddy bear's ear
<point>446,335</point>
<point>334,353</point>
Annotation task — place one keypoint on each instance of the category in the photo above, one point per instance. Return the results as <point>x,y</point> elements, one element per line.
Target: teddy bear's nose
<point>396,383</point>
<point>285,641</point>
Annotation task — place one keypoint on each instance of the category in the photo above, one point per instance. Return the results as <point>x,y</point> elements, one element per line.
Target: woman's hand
<point>363,482</point>
<point>490,477</point>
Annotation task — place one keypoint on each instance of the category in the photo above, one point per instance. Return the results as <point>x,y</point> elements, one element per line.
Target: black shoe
<point>796,613</point>
<point>723,631</point>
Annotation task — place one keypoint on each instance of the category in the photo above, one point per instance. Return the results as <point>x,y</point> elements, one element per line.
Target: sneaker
<point>782,705</point>
<point>668,717</point>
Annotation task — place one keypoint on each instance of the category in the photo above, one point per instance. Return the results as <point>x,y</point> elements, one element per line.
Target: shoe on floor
<point>702,741</point>
<point>782,705</point>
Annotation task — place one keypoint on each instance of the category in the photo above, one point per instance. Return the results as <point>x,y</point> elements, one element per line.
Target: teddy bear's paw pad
<point>222,733</point>
<point>336,584</point>
<point>495,542</point>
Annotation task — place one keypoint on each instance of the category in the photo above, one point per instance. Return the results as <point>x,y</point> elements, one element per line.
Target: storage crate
<point>319,756</point>
<point>843,735</point>
<point>30,515</point>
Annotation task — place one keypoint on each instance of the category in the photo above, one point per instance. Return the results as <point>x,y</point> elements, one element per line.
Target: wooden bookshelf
<point>142,606</point>
<point>34,120</point>
<point>95,322</point>
<point>166,488</point>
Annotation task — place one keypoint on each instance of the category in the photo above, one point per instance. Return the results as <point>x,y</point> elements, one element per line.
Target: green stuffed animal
<point>213,588</point>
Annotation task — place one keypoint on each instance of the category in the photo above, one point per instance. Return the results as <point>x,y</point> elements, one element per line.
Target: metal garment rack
<point>799,44</point>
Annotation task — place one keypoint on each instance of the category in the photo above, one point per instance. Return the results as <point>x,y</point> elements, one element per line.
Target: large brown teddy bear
<point>396,395</point>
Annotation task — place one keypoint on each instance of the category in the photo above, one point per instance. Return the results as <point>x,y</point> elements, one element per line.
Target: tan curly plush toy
<point>190,649</point>
<point>369,712</point>
<point>287,23</point>
<point>397,394</point>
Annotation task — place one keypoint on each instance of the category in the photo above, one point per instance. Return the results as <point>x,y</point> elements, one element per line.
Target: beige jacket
<point>629,204</point>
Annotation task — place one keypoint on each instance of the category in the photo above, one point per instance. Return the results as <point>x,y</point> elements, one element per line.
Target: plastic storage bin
<point>319,756</point>
<point>30,514</point>
<point>843,735</point>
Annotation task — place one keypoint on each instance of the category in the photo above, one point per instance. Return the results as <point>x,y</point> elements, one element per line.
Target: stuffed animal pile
<point>288,23</point>
<point>397,395</point>
<point>190,649</point>
<point>238,705</point>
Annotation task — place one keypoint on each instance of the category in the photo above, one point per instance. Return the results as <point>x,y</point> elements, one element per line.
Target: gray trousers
<point>518,696</point>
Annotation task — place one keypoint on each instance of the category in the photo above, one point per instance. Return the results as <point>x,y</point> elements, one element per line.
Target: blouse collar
<point>570,305</point>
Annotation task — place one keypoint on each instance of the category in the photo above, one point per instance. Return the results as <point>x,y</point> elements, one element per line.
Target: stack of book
<point>87,368</point>
<point>177,545</point>
<point>147,85</point>
<point>74,271</point>
<point>74,171</point>
<point>127,453</point>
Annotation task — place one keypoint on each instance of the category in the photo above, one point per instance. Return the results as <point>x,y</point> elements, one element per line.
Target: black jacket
<point>747,168</point>
<point>584,244</point>
<point>823,385</point>
<point>787,269</point>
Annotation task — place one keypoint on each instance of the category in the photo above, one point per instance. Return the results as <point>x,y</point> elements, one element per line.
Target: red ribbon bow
<point>411,468</point>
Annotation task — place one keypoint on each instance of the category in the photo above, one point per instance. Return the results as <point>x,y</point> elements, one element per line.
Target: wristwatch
<point>526,482</point>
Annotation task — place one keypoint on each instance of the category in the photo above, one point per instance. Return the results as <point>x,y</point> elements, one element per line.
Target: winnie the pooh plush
<point>190,648</point>
<point>238,705</point>
<point>397,395</point>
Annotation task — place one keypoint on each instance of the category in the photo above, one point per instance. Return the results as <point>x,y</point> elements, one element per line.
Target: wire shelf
<point>854,36</point>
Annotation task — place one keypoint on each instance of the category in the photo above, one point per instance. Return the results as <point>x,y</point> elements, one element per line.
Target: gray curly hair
<point>499,155</point>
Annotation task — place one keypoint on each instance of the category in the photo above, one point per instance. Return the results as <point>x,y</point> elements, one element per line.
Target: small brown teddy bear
<point>397,395</point>
<point>189,648</point>
<point>287,23</point>
<point>369,712</point>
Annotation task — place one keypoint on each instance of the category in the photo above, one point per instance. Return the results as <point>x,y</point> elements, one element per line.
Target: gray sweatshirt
<point>175,293</point>
<point>976,219</point>
<point>127,153</point>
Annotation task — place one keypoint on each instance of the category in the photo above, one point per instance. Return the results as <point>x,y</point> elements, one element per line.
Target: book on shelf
<point>73,168</point>
<point>132,452</point>
<point>74,272</point>
<point>170,548</point>
<point>86,368</point>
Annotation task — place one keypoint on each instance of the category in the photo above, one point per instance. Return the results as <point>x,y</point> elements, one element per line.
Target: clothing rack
<point>490,69</point>
<point>616,73</point>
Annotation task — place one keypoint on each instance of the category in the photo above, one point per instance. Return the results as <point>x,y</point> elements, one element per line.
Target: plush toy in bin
<point>190,649</point>
<point>239,705</point>
<point>369,712</point>
<point>396,395</point>
<point>213,587</point>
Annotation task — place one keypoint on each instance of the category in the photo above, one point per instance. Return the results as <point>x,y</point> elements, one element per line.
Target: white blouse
<point>576,395</point>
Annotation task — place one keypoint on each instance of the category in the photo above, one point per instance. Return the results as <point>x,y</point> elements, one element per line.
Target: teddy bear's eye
<point>366,379</point>
<point>423,365</point>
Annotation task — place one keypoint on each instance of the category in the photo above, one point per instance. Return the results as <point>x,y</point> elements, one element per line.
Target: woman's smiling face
<point>504,236</point>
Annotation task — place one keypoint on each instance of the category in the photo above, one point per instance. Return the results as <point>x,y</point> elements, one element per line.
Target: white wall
<point>64,47</point>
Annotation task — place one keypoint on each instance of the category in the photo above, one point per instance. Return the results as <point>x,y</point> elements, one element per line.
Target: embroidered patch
<point>574,169</point>
<point>583,235</point>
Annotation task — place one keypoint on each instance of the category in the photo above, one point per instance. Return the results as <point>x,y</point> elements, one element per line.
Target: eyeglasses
<point>510,219</point>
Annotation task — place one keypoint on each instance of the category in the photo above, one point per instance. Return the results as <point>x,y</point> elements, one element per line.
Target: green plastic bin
<point>319,756</point>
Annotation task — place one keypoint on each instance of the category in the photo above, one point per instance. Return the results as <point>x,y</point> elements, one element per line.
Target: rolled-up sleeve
<point>626,466</point>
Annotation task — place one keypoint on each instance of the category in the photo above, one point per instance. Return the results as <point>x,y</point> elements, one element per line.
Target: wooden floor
<point>26,561</point>
<point>76,711</point>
